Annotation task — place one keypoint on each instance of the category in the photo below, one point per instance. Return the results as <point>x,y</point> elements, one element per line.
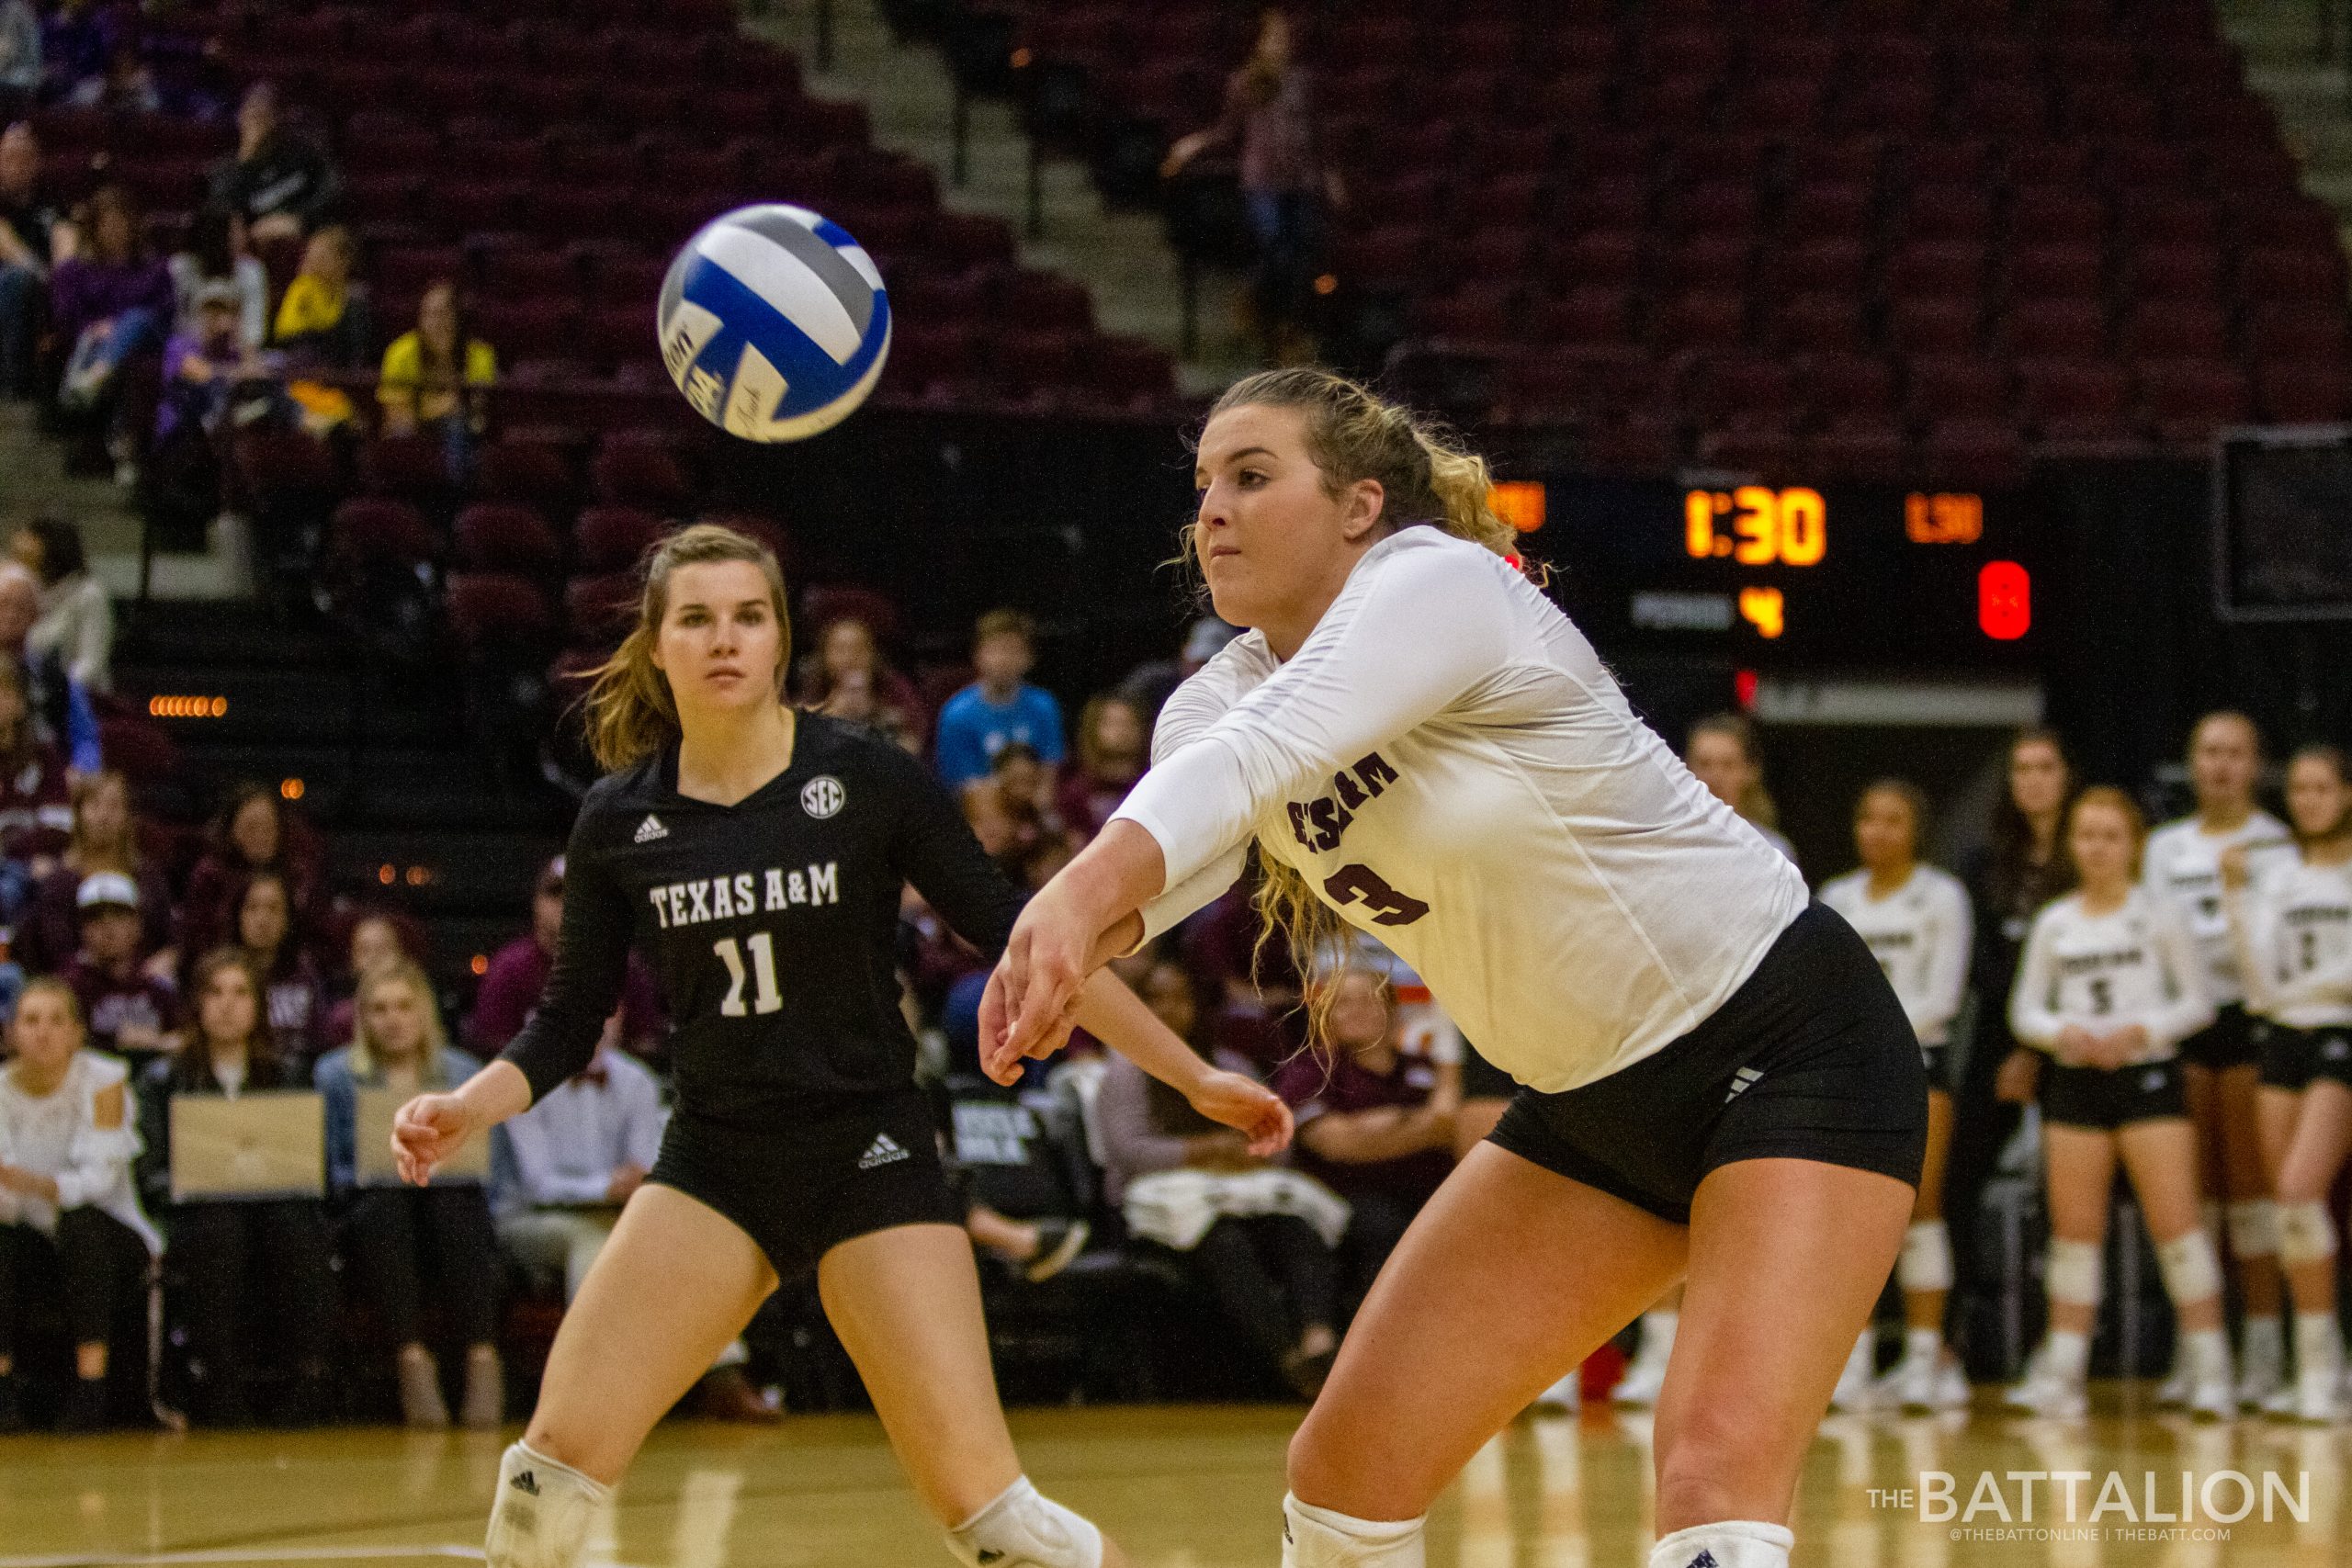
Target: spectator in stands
<point>212,380</point>
<point>518,972</point>
<point>1374,1125</point>
<point>219,251</point>
<point>1000,707</point>
<point>294,1000</point>
<point>1722,751</point>
<point>1147,685</point>
<point>847,677</point>
<point>376,938</point>
<point>112,300</point>
<point>324,321</point>
<point>437,378</point>
<point>19,57</point>
<point>216,1245</point>
<point>29,235</point>
<point>126,86</point>
<point>105,838</point>
<point>254,832</point>
<point>76,621</point>
<point>1254,991</point>
<point>78,38</point>
<point>1113,747</point>
<point>36,801</point>
<point>61,703</point>
<point>1006,831</point>
<point>128,1006</point>
<point>71,1226</point>
<point>1263,1238</point>
<point>281,183</point>
<point>398,1235</point>
<point>1269,112</point>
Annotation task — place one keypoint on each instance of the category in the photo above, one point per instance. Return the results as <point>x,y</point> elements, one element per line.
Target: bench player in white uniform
<point>2293,932</point>
<point>2184,863</point>
<point>1717,1081</point>
<point>2110,984</point>
<point>1915,919</point>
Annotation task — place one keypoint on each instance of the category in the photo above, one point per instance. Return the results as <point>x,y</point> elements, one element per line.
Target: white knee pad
<point>542,1514</point>
<point>2074,1272</point>
<point>1022,1530</point>
<point>2191,1271</point>
<point>1926,1263</point>
<point>2254,1227</point>
<point>2306,1233</point>
<point>1319,1538</point>
<point>1727,1543</point>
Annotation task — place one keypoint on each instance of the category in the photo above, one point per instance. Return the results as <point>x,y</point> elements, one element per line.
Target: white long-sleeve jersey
<point>2136,963</point>
<point>1450,766</point>
<point>1920,934</point>
<point>2183,863</point>
<point>2294,931</point>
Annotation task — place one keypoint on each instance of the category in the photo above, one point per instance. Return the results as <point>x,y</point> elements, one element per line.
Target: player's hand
<point>1031,1002</point>
<point>2233,873</point>
<point>1248,1107</point>
<point>2077,1047</point>
<point>2019,1072</point>
<point>427,1131</point>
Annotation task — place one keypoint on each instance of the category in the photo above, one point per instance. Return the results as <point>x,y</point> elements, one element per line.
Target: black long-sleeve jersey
<point>769,924</point>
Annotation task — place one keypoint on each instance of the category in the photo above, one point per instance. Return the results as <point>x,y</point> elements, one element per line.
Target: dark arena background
<point>1900,376</point>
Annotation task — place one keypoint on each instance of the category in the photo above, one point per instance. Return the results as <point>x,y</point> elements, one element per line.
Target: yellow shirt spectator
<point>402,389</point>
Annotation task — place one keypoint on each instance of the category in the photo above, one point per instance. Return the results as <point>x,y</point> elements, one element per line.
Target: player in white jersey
<point>2293,933</point>
<point>2110,986</point>
<point>1717,1081</point>
<point>1915,919</point>
<point>2184,863</point>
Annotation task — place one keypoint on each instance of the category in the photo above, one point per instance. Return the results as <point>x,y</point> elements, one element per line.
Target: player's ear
<point>1361,508</point>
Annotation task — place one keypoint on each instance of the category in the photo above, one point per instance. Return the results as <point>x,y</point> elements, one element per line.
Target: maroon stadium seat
<point>612,538</point>
<point>2302,392</point>
<point>638,472</point>
<point>490,609</point>
<point>501,536</point>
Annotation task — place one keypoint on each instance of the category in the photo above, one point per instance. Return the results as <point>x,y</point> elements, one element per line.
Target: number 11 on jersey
<point>766,996</point>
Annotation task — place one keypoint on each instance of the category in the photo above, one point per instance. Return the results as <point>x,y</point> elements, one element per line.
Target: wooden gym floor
<point>1181,1487</point>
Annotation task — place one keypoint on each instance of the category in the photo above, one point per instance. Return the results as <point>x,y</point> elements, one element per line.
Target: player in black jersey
<point>756,855</point>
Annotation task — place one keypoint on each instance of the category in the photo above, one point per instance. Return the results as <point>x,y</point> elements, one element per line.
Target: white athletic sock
<point>2265,1344</point>
<point>1321,1538</point>
<point>1923,1345</point>
<point>2067,1354</point>
<point>542,1513</point>
<point>1727,1543</point>
<point>2208,1351</point>
<point>1021,1527</point>
<point>1657,1337</point>
<point>2319,1344</point>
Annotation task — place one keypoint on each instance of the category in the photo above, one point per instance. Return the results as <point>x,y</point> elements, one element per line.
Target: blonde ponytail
<point>630,711</point>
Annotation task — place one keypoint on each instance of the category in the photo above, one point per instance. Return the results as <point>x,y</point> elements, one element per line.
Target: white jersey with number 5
<point>2295,930</point>
<point>1450,766</point>
<point>1919,933</point>
<point>2135,963</point>
<point>2183,863</point>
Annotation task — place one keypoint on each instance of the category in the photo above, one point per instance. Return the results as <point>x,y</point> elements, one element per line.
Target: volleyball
<point>774,323</point>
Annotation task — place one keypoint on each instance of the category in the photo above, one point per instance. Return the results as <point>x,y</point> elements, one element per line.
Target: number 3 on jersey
<point>766,996</point>
<point>1385,904</point>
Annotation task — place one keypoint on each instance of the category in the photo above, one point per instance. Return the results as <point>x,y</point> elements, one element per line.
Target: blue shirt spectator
<point>1000,707</point>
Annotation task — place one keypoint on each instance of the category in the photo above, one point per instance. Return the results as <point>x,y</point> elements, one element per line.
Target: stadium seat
<point>612,538</point>
<point>501,537</point>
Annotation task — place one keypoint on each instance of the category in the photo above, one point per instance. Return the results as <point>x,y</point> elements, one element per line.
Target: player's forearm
<point>1111,881</point>
<point>498,1091</point>
<point>1116,1016</point>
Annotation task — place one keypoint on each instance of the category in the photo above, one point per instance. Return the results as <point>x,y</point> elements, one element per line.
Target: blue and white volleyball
<point>773,323</point>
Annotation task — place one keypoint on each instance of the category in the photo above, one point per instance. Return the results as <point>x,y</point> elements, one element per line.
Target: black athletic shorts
<point>804,1186</point>
<point>2227,1042</point>
<point>1811,1058</point>
<point>2110,1098</point>
<point>1481,1080</point>
<point>2291,1058</point>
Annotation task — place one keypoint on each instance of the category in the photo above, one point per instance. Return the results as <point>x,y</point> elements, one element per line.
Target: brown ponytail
<point>630,711</point>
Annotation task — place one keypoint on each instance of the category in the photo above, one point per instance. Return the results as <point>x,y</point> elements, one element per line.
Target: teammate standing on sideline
<point>2184,864</point>
<point>1717,1079</point>
<point>2293,933</point>
<point>758,856</point>
<point>2111,984</point>
<point>1915,919</point>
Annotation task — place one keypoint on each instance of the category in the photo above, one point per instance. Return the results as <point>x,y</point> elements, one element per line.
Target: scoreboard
<point>1769,574</point>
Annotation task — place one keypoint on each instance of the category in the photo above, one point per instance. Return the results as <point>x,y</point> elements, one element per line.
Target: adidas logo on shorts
<point>650,829</point>
<point>884,1150</point>
<point>1740,1080</point>
<point>525,1483</point>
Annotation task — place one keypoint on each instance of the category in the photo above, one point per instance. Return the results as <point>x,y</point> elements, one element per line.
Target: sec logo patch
<point>822,797</point>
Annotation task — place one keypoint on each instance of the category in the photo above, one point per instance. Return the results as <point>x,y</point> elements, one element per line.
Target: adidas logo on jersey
<point>884,1150</point>
<point>650,829</point>
<point>1740,1080</point>
<point>525,1483</point>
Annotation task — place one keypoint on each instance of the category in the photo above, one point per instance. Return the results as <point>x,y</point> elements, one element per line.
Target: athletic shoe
<point>1565,1395</point>
<point>1058,1241</point>
<point>1858,1388</point>
<point>2318,1398</point>
<point>2054,1397</point>
<point>1918,1383</point>
<point>422,1406</point>
<point>2215,1401</point>
<point>2174,1391</point>
<point>1640,1385</point>
<point>2259,1378</point>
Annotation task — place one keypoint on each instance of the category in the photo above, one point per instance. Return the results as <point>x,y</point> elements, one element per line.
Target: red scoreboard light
<point>2003,601</point>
